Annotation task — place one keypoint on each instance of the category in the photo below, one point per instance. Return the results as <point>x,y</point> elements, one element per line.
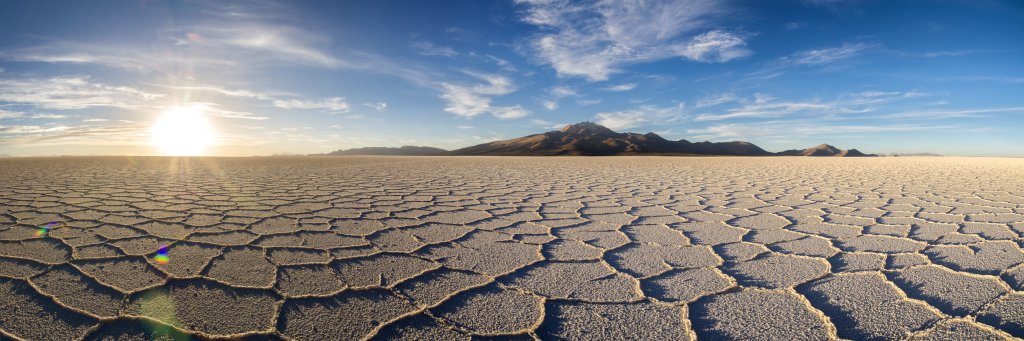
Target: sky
<point>296,77</point>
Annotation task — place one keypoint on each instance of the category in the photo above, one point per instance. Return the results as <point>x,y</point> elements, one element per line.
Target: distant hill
<point>823,150</point>
<point>589,138</point>
<point>403,150</point>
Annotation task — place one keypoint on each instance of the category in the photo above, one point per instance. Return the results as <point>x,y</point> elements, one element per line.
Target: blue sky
<point>81,78</point>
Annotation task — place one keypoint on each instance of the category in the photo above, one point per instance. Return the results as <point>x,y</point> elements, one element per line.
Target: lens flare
<point>161,256</point>
<point>45,230</point>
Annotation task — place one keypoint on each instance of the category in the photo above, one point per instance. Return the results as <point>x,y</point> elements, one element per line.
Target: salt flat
<point>315,248</point>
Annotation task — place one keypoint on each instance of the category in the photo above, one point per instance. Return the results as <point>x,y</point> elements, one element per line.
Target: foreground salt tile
<point>31,315</point>
<point>862,306</point>
<point>776,271</point>
<point>493,310</point>
<point>758,314</point>
<point>630,321</point>
<point>206,306</point>
<point>954,293</point>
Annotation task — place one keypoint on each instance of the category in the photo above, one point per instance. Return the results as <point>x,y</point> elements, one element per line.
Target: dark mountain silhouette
<point>823,150</point>
<point>403,150</point>
<point>589,138</point>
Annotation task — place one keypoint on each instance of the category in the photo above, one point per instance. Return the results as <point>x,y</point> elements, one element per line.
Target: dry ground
<point>451,248</point>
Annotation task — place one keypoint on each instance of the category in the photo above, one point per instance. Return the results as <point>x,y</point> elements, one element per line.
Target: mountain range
<point>592,139</point>
<point>403,150</point>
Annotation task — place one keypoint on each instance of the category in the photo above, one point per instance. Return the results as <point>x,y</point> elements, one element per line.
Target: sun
<point>182,131</point>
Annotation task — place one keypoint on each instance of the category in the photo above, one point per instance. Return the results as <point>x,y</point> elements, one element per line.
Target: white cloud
<point>334,105</point>
<point>426,48</point>
<point>462,101</point>
<point>715,46</point>
<point>550,105</point>
<point>621,87</point>
<point>593,39</point>
<point>378,106</point>
<point>470,101</point>
<point>646,114</point>
<point>562,91</point>
<point>588,102</point>
<point>716,100</point>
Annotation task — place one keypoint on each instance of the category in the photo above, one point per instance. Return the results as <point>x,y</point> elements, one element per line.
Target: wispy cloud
<point>26,129</point>
<point>639,116</point>
<point>829,55</point>
<point>980,78</point>
<point>244,93</point>
<point>556,93</point>
<point>333,105</point>
<point>764,106</point>
<point>621,87</point>
<point>949,113</point>
<point>216,110</point>
<point>116,134</point>
<point>65,93</point>
<point>426,48</point>
<point>716,100</point>
<point>593,39</point>
<point>547,124</point>
<point>223,44</point>
<point>792,26</point>
<point>470,101</point>
<point>273,43</point>
<point>245,39</point>
<point>6,114</point>
<point>956,53</point>
<point>788,130</point>
<point>378,106</point>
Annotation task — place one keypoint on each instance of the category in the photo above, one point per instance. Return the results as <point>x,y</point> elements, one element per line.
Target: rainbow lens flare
<point>161,256</point>
<point>45,230</point>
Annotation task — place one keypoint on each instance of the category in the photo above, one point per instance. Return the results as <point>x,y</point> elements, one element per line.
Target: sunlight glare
<point>182,131</point>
